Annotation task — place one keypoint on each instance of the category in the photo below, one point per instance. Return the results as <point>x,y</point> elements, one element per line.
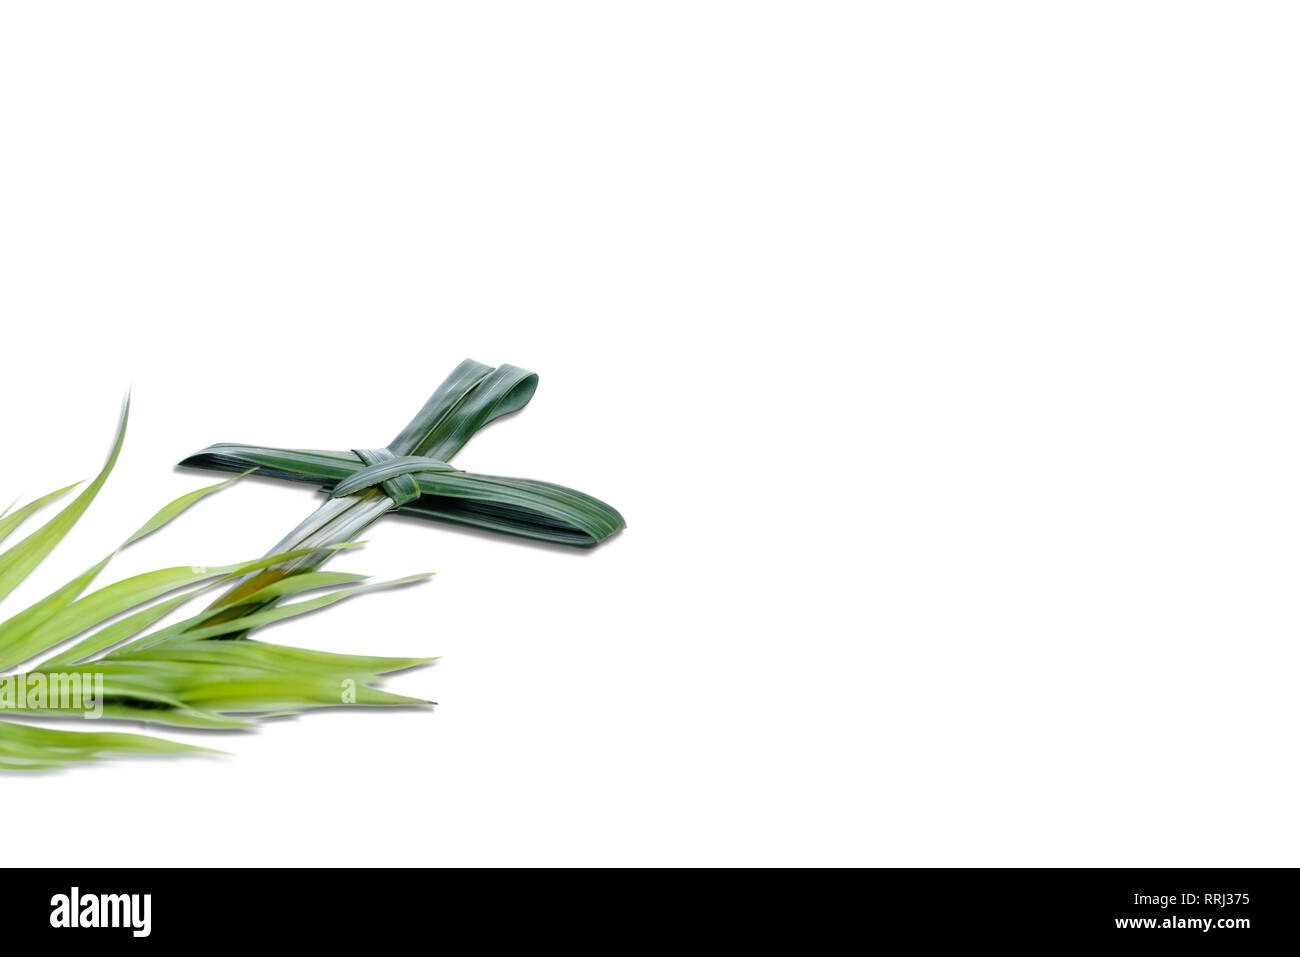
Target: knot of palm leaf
<point>413,469</point>
<point>390,472</point>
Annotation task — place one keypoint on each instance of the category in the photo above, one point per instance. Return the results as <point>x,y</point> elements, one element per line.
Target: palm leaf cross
<point>413,475</point>
<point>179,675</point>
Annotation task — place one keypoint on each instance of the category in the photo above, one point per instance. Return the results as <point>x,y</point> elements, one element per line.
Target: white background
<point>942,357</point>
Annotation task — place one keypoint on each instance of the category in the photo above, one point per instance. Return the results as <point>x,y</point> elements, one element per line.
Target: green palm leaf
<point>177,675</point>
<point>9,522</point>
<point>28,748</point>
<point>20,560</point>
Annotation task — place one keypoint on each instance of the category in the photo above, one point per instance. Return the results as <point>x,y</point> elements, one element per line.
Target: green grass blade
<point>176,508</point>
<point>25,747</point>
<point>127,627</point>
<point>270,616</point>
<point>217,684</point>
<point>119,631</point>
<point>274,658</point>
<point>132,625</point>
<point>19,561</point>
<point>100,606</point>
<point>304,581</point>
<point>195,628</point>
<point>55,620</point>
<point>15,631</point>
<point>11,520</point>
